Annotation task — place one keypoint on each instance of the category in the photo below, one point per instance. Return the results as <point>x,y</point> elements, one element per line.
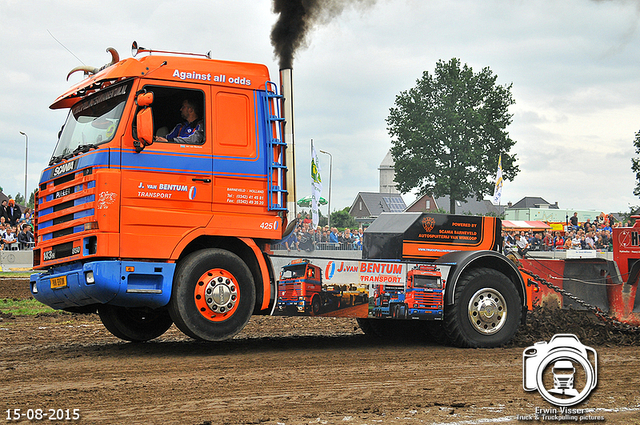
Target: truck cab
<point>424,293</point>
<point>118,208</point>
<point>300,287</point>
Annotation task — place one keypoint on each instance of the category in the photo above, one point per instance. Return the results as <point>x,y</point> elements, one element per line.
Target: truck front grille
<point>63,206</point>
<point>430,300</point>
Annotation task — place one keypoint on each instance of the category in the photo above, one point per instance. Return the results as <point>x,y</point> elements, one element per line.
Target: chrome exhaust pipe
<point>286,83</point>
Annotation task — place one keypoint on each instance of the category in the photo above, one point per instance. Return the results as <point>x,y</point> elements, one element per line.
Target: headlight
<point>89,278</point>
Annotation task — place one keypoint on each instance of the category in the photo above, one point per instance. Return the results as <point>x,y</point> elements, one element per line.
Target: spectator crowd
<point>16,229</point>
<point>16,233</point>
<point>305,238</point>
<point>596,235</point>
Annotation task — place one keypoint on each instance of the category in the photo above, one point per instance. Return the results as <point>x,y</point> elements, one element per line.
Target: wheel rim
<point>487,311</point>
<point>216,295</point>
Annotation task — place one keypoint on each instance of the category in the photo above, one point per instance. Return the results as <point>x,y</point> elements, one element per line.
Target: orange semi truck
<point>149,232</point>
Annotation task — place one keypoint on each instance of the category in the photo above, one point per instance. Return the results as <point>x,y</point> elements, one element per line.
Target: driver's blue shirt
<point>192,133</point>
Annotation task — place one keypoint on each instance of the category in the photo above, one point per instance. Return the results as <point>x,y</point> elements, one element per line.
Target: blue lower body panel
<point>121,283</point>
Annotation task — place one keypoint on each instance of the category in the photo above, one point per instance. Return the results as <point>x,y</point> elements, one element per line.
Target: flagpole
<point>497,191</point>
<point>316,187</point>
<point>330,174</point>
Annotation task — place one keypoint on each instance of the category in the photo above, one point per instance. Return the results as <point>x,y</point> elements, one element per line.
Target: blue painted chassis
<point>121,283</point>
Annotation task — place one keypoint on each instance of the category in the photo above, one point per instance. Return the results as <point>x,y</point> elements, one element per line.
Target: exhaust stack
<point>286,82</point>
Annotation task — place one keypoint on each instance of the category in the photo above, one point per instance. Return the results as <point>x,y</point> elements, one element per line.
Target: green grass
<point>16,274</point>
<point>24,307</point>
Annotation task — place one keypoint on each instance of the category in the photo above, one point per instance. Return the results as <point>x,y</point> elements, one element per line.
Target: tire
<point>404,311</point>
<point>486,311</point>
<point>213,295</point>
<point>436,333</point>
<point>135,325</point>
<point>393,311</point>
<point>316,305</point>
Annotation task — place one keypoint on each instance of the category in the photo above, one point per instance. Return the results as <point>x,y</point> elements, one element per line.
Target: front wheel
<point>135,325</point>
<point>316,306</point>
<point>486,311</point>
<point>213,295</point>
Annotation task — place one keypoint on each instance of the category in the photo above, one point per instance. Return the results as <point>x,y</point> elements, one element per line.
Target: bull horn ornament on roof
<point>90,70</point>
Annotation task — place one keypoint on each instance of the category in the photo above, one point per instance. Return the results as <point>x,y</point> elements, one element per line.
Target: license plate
<point>58,282</point>
<point>64,192</point>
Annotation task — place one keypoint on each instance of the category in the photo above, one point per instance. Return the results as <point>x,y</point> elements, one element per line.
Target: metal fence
<point>17,246</point>
<point>320,246</point>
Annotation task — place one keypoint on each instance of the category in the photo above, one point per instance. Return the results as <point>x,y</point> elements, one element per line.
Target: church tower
<point>387,174</point>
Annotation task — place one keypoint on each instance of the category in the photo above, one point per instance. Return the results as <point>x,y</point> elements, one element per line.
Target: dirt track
<point>286,371</point>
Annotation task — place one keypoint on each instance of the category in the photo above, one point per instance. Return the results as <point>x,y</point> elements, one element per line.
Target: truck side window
<point>178,115</point>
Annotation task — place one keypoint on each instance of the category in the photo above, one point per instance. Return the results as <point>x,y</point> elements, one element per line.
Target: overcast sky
<point>574,65</point>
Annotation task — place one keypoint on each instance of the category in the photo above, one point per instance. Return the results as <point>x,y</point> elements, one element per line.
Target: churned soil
<point>292,371</point>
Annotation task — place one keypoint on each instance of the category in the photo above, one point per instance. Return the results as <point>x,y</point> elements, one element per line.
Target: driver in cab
<point>191,131</point>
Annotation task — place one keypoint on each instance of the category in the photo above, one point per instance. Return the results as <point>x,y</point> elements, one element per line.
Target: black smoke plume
<point>297,18</point>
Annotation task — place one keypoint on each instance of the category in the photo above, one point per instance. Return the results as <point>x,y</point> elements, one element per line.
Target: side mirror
<point>144,121</point>
<point>144,99</point>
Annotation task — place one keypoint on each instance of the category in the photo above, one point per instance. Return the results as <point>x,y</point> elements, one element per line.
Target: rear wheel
<point>134,324</point>
<point>486,311</point>
<point>213,295</point>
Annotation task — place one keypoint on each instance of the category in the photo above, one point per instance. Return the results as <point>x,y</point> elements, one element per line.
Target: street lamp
<point>26,156</point>
<point>330,172</point>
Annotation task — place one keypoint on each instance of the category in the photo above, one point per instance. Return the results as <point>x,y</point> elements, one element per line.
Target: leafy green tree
<point>342,219</point>
<point>32,199</point>
<point>635,164</point>
<point>19,199</point>
<point>323,220</point>
<point>449,131</point>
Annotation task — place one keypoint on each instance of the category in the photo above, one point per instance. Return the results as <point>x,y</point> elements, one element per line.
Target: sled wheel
<point>486,310</point>
<point>315,306</point>
<point>213,295</point>
<point>134,324</point>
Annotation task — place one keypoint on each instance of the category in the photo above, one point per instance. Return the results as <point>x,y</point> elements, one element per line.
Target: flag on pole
<point>316,187</point>
<point>497,191</point>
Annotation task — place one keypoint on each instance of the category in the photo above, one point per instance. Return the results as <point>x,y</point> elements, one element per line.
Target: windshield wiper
<point>55,160</point>
<point>69,155</point>
<point>84,148</point>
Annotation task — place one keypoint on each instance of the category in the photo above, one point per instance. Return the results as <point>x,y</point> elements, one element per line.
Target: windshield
<point>292,272</point>
<point>91,122</point>
<point>422,281</point>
